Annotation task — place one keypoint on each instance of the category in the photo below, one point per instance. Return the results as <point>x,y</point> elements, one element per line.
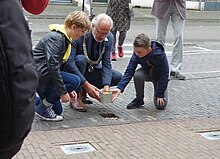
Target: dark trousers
<point>95,78</point>
<point>121,39</point>
<point>18,79</point>
<point>140,76</point>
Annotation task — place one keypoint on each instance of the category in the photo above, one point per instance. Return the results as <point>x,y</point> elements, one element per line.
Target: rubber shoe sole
<point>58,118</point>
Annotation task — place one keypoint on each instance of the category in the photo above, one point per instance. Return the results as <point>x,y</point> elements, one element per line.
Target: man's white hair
<point>96,20</point>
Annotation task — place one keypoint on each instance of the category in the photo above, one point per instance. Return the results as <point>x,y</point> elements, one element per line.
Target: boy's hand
<point>160,101</point>
<point>115,93</point>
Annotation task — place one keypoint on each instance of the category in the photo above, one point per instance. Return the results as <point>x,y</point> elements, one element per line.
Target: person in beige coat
<point>174,10</point>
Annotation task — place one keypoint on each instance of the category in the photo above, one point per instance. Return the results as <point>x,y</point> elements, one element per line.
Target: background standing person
<point>118,10</point>
<point>18,78</point>
<point>89,9</point>
<point>174,10</point>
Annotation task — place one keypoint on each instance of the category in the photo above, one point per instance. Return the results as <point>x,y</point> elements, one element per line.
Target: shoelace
<point>51,112</point>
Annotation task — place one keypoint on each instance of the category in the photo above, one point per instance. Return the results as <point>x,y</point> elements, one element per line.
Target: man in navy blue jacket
<point>154,67</point>
<point>90,60</point>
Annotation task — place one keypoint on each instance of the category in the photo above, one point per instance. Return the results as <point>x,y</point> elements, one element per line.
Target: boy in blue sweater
<point>154,68</point>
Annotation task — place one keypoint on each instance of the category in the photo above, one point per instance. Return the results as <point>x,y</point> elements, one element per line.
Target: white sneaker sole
<point>58,118</point>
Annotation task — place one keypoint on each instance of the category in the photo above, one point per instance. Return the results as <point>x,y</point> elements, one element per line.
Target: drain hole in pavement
<point>109,115</point>
<point>77,148</point>
<point>214,135</point>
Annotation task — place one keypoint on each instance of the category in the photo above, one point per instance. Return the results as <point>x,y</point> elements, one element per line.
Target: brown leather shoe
<point>83,96</point>
<point>79,105</point>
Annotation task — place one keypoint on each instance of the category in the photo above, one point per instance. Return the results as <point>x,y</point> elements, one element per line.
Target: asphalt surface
<point>146,132</point>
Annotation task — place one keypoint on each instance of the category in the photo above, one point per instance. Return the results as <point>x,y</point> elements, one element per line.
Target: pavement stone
<point>173,133</point>
<point>176,139</point>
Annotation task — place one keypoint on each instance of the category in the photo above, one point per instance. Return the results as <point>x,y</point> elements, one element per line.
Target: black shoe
<point>135,103</point>
<point>86,101</point>
<point>176,76</point>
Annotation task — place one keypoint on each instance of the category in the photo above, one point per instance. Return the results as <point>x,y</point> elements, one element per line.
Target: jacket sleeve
<point>55,50</point>
<point>70,65</point>
<point>129,72</point>
<point>163,80</point>
<point>106,62</point>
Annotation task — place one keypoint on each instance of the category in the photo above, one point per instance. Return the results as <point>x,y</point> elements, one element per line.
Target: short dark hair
<point>142,40</point>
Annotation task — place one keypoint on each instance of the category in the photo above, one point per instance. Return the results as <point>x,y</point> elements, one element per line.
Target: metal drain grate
<point>77,148</point>
<point>215,135</point>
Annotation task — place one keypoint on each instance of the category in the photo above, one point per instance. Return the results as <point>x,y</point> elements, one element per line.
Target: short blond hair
<point>79,18</point>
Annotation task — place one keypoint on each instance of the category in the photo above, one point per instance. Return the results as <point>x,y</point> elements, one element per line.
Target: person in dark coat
<point>118,10</point>
<point>154,68</point>
<point>18,78</point>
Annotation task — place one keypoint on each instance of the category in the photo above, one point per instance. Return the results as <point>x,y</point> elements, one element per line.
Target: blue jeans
<point>71,81</point>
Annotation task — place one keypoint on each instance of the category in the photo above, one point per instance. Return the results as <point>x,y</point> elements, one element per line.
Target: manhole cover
<point>109,115</point>
<point>211,135</point>
<point>77,148</point>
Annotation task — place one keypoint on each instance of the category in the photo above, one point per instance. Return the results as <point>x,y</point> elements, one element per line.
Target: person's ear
<point>149,49</point>
<point>74,26</point>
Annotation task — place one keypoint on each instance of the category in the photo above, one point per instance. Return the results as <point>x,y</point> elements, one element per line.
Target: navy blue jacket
<point>93,50</point>
<point>160,72</point>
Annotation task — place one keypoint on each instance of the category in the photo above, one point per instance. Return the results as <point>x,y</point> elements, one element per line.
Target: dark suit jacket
<point>162,8</point>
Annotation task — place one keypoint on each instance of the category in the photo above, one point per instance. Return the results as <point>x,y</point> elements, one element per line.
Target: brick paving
<point>173,133</point>
<point>156,140</point>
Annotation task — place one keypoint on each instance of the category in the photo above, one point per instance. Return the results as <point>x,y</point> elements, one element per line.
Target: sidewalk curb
<point>144,18</point>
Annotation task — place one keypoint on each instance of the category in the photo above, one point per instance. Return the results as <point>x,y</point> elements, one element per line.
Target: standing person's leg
<point>87,5</point>
<point>114,56</point>
<point>140,77</point>
<point>155,83</point>
<point>161,29</point>
<point>121,39</point>
<point>177,51</point>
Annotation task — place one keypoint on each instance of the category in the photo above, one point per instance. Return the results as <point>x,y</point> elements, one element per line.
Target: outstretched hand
<point>115,93</point>
<point>92,91</point>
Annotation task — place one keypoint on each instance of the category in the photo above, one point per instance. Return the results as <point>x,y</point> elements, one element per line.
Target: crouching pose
<point>90,60</point>
<point>154,68</point>
<point>49,54</point>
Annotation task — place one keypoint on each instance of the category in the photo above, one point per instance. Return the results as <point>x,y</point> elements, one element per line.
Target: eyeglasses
<point>101,33</point>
